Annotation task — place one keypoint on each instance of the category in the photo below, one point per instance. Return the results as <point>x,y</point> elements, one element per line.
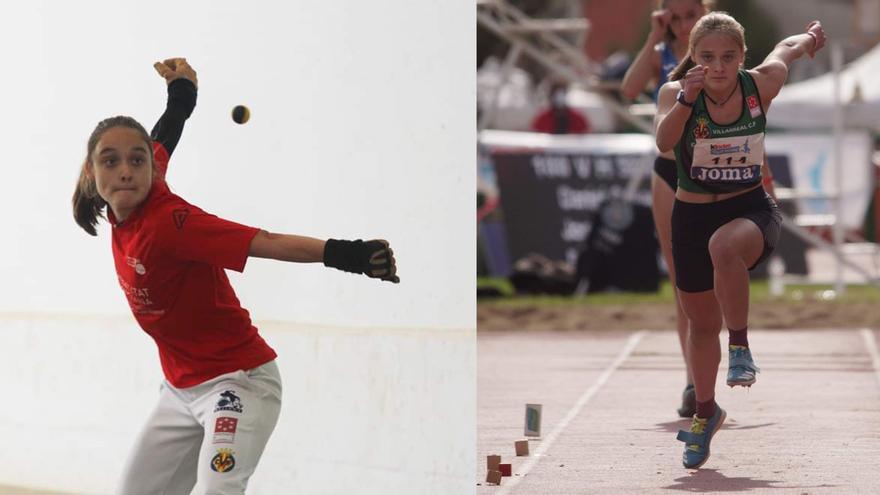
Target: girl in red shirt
<point>221,395</point>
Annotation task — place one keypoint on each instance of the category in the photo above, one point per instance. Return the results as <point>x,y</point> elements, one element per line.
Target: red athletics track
<point>810,425</point>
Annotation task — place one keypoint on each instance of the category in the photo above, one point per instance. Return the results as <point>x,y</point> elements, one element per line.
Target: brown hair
<point>88,206</point>
<point>708,6</point>
<point>711,23</point>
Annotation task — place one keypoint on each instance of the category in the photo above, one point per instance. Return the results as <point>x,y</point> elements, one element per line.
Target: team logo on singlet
<point>229,402</point>
<point>224,461</point>
<point>701,130</point>
<point>754,107</point>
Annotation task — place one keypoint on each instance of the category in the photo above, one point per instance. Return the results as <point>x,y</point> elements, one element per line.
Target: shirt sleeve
<point>192,234</point>
<point>160,156</point>
<point>181,102</point>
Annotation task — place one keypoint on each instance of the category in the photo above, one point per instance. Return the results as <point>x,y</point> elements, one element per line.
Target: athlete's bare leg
<point>662,199</point>
<point>704,346</point>
<point>734,247</point>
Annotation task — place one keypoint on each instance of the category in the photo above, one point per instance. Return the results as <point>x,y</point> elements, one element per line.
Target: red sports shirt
<point>170,258</point>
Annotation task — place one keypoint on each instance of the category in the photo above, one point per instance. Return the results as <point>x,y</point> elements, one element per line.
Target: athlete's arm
<point>284,247</point>
<point>767,178</point>
<point>647,62</point>
<point>182,92</point>
<point>670,118</point>
<point>773,71</point>
<point>373,258</point>
<point>672,115</point>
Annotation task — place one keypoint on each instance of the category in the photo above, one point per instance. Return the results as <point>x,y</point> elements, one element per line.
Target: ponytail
<point>686,64</point>
<point>87,205</point>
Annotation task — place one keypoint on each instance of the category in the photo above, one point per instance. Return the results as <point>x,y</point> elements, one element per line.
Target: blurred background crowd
<point>559,144</point>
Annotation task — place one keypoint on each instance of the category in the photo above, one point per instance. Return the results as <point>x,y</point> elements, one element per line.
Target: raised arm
<point>672,114</point>
<point>182,92</point>
<point>647,62</point>
<point>373,258</point>
<point>770,76</point>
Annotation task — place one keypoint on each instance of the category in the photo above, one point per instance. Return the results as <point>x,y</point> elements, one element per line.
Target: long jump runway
<point>810,425</point>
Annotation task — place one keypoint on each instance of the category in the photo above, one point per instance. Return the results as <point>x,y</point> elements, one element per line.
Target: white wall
<point>362,126</point>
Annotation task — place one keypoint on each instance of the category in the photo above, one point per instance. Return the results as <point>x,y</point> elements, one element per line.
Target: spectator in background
<point>559,118</point>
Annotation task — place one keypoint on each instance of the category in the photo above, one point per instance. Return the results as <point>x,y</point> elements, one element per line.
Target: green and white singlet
<point>716,159</point>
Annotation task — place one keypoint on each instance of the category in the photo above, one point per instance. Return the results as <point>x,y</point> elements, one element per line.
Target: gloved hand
<point>373,258</point>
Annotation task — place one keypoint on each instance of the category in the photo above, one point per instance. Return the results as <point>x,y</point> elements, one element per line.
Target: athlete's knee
<point>703,319</point>
<point>723,252</point>
<point>704,326</point>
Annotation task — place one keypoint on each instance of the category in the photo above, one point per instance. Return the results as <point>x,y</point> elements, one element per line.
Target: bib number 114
<point>717,160</point>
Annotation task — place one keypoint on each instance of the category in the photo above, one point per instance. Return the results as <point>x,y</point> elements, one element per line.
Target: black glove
<point>374,258</point>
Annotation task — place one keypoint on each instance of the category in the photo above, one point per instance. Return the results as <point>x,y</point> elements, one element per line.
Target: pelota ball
<point>241,114</point>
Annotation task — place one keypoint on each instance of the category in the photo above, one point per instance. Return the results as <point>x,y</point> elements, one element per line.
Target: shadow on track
<point>712,481</point>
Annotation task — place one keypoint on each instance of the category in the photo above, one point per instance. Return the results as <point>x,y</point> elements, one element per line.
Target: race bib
<point>728,160</point>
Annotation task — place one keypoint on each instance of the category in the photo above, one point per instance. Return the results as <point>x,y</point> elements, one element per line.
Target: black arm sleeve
<point>181,102</point>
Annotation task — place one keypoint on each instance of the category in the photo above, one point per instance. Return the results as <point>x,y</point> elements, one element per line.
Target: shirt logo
<point>229,402</point>
<point>224,461</point>
<point>136,264</point>
<point>179,216</point>
<point>701,131</point>
<point>754,108</point>
<point>724,148</point>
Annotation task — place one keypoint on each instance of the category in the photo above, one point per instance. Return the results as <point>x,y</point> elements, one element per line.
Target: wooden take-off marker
<point>494,477</point>
<point>492,462</point>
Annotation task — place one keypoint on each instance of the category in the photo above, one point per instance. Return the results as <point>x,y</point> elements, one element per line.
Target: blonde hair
<point>711,23</point>
<point>88,206</point>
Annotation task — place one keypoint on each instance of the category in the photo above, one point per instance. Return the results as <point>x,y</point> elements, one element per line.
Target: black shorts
<point>694,223</point>
<point>667,170</point>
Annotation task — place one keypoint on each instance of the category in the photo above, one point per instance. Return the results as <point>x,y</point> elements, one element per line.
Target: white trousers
<point>205,439</point>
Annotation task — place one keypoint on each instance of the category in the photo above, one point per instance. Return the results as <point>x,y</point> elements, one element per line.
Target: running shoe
<point>696,449</point>
<point>741,367</point>
<point>688,402</point>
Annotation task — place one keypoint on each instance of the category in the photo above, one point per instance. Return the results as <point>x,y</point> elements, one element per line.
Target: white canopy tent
<point>809,104</point>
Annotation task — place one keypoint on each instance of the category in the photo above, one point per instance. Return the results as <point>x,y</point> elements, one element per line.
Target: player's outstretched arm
<point>771,74</point>
<point>373,258</point>
<point>182,91</point>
